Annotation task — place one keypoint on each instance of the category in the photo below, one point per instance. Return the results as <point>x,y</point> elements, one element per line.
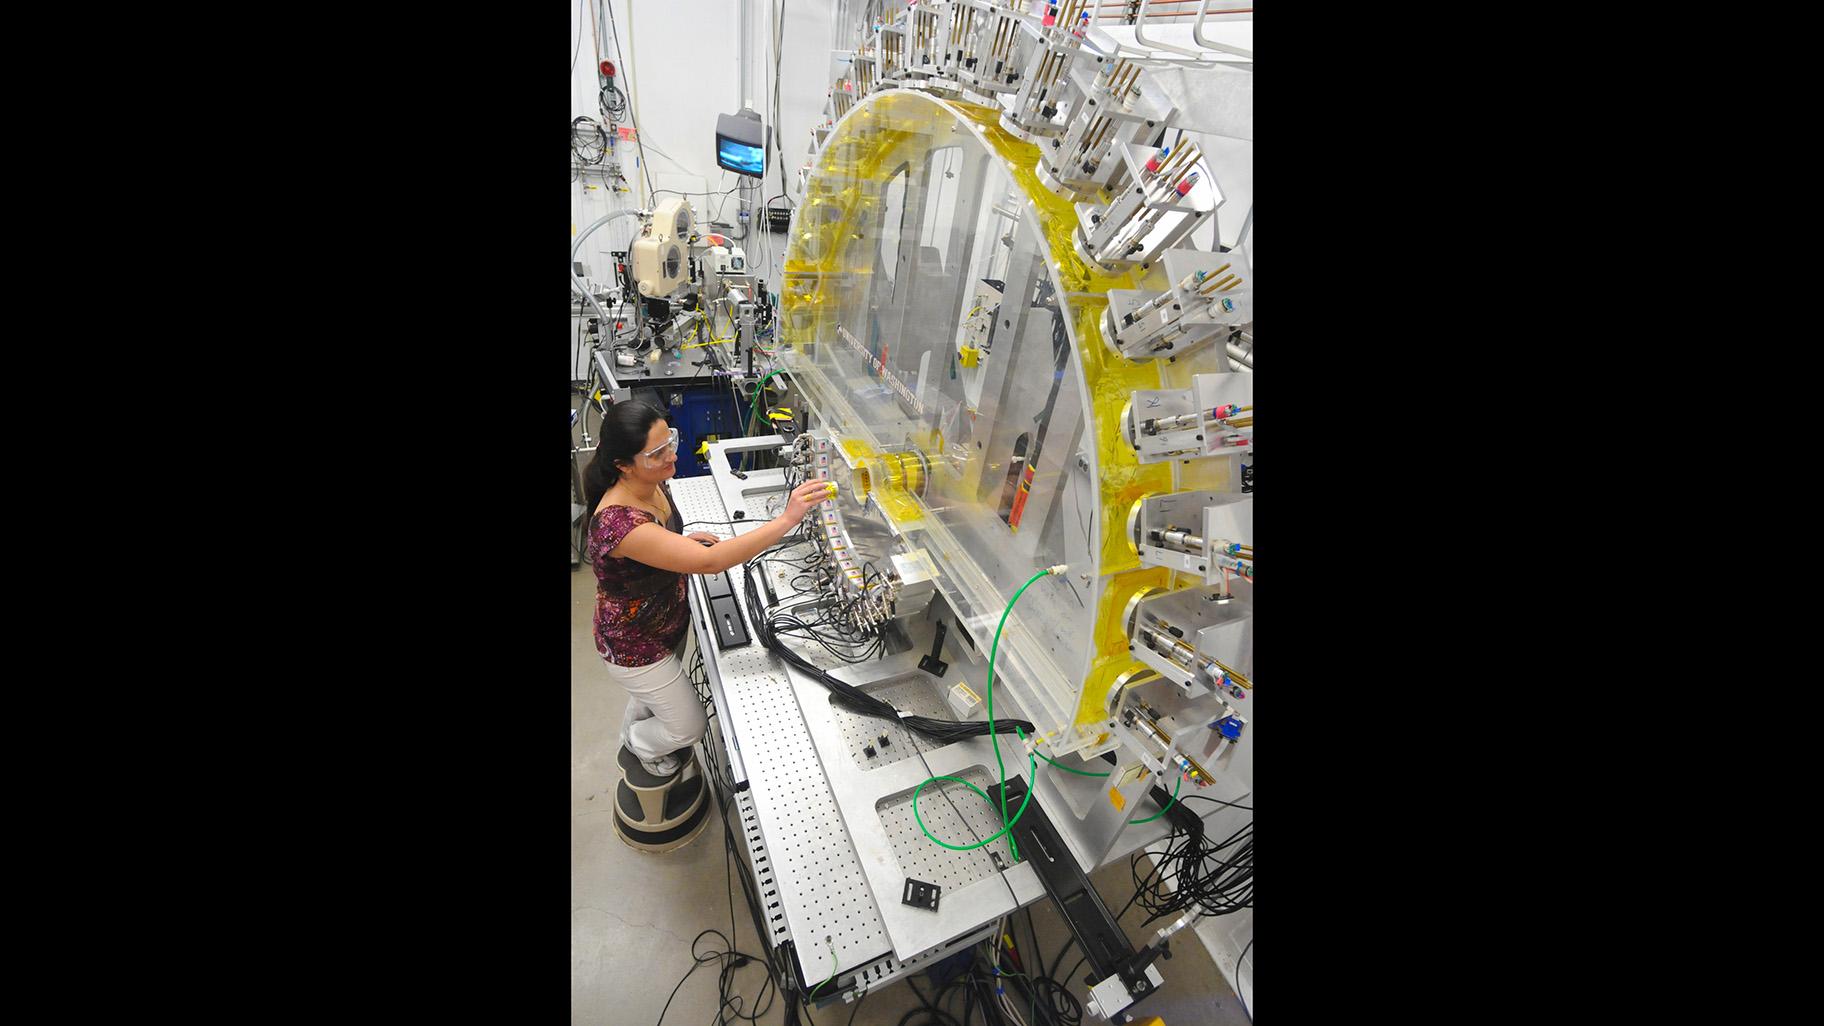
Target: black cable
<point>1035,975</point>
<point>933,1017</point>
<point>1238,997</point>
<point>639,137</point>
<point>773,136</point>
<point>1218,801</point>
<point>576,365</point>
<point>586,156</point>
<point>1079,965</point>
<point>857,1008</point>
<point>612,101</point>
<point>1052,969</point>
<point>698,962</point>
<point>776,971</point>
<point>1205,877</point>
<point>853,698</point>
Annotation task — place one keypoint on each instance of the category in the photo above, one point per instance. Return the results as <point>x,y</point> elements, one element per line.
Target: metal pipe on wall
<point>1140,35</point>
<point>1172,3</point>
<point>744,14</point>
<point>1210,44</point>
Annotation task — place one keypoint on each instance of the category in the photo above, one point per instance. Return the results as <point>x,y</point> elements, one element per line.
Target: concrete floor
<point>632,915</point>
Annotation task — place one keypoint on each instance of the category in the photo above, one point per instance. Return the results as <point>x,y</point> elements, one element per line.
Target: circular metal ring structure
<point>1140,674</point>
<point>1133,525</point>
<point>1130,614</point>
<point>934,303</point>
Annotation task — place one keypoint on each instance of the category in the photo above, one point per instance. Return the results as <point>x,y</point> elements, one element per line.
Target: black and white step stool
<point>659,814</point>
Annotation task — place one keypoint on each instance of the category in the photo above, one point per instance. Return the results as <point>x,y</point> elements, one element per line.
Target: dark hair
<point>624,430</point>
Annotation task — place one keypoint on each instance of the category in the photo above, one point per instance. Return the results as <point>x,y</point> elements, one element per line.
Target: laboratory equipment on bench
<point>1020,629</point>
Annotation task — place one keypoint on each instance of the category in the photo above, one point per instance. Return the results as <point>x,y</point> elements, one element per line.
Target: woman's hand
<point>703,536</point>
<point>803,498</point>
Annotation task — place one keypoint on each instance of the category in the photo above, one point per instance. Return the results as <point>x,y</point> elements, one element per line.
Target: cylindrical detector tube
<point>1189,767</point>
<point>1179,540</point>
<point>1181,422</point>
<point>1182,654</point>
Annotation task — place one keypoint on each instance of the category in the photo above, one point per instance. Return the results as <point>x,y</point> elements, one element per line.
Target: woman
<point>640,557</point>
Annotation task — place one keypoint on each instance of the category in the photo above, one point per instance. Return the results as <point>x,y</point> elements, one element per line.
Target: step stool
<point>659,814</point>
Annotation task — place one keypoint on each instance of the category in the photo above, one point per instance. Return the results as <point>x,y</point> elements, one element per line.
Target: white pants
<point>663,711</point>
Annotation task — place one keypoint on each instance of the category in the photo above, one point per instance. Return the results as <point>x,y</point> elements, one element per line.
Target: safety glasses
<point>662,451</point>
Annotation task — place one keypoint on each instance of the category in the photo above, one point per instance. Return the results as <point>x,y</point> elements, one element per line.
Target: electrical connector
<point>1057,571</point>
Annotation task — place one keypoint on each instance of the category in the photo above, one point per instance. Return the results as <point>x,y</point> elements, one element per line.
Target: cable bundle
<point>1212,878</point>
<point>613,102</point>
<point>580,147</point>
<point>1000,996</point>
<point>851,697</point>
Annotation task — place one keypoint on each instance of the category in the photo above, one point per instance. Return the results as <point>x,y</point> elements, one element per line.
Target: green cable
<point>1032,771</point>
<point>996,738</point>
<point>1054,762</point>
<point>1067,769</point>
<point>1175,787</point>
<point>759,390</point>
<point>1032,765</point>
<point>826,983</point>
<point>1168,805</point>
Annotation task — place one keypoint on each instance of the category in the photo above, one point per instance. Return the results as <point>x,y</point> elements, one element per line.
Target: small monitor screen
<point>740,157</point>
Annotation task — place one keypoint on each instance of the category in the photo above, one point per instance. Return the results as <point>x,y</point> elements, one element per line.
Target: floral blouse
<point>640,611</point>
